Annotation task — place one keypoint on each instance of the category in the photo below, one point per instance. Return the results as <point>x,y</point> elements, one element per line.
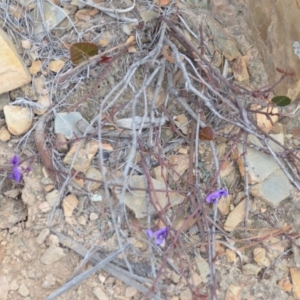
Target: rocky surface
<point>13,73</point>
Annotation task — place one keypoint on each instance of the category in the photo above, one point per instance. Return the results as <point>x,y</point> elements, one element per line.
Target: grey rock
<point>261,165</point>
<point>23,290</point>
<point>42,236</point>
<point>274,189</point>
<point>250,269</point>
<point>52,255</point>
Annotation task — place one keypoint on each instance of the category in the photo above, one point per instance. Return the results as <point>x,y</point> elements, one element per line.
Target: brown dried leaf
<point>206,134</point>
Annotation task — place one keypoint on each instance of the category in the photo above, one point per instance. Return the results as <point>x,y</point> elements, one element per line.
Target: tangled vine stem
<point>168,72</point>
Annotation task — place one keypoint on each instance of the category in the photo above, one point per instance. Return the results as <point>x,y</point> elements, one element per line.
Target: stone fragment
<point>260,257</point>
<point>49,281</point>
<point>4,134</point>
<point>235,217</point>
<point>41,238</point>
<point>250,269</point>
<point>12,212</point>
<point>95,174</point>
<point>230,255</point>
<point>233,292</point>
<point>52,255</point>
<point>186,295</point>
<point>56,65</point>
<point>130,292</point>
<point>45,102</point>
<point>99,293</point>
<point>18,119</point>
<point>4,100</point>
<point>47,18</point>
<point>26,44</point>
<point>296,252</point>
<point>61,143</point>
<point>13,71</point>
<point>69,204</point>
<point>239,68</point>
<point>44,207</point>
<point>93,216</point>
<point>13,286</point>
<point>222,41</point>
<point>35,67</point>
<point>203,267</point>
<point>261,165</point>
<point>23,290</point>
<point>84,152</point>
<point>179,164</point>
<point>295,274</point>
<point>52,197</point>
<point>274,189</point>
<point>265,31</point>
<point>285,284</point>
<point>137,201</point>
<point>4,287</point>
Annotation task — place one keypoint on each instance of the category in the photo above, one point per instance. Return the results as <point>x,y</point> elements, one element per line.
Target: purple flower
<point>215,196</point>
<point>159,235</point>
<point>15,175</point>
<point>15,161</point>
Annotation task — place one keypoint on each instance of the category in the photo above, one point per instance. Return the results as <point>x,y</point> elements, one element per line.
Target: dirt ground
<point>55,226</point>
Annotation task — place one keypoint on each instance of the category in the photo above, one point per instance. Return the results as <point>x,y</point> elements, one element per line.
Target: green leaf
<point>281,100</point>
<point>81,51</point>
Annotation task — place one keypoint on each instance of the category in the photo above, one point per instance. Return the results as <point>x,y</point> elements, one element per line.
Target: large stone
<point>13,72</point>
<point>274,189</point>
<point>261,165</point>
<point>52,255</point>
<point>84,152</point>
<point>18,119</point>
<point>273,28</point>
<point>235,217</point>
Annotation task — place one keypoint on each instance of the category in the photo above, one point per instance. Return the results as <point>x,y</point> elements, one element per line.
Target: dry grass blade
<point>76,280</point>
<point>125,276</point>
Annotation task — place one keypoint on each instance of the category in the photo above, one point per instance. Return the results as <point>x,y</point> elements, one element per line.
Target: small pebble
<point>23,290</point>
<point>93,216</point>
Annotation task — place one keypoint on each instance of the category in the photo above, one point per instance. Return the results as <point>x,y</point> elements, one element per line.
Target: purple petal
<point>150,233</point>
<point>16,175</point>
<point>215,196</point>
<point>15,161</point>
<point>161,235</point>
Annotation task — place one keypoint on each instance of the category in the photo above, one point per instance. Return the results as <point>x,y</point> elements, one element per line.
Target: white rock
<point>13,71</point>
<point>13,286</point>
<point>18,119</point>
<point>4,287</point>
<point>69,204</point>
<point>95,174</point>
<point>23,290</point>
<point>100,294</point>
<point>52,255</point>
<point>236,216</point>
<point>4,134</point>
<point>41,238</point>
<point>51,197</point>
<point>93,216</point>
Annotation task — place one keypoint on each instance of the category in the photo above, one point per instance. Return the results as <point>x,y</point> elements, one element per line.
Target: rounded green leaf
<point>81,51</point>
<point>281,100</point>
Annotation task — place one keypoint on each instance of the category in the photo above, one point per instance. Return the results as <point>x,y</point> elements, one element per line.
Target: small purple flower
<point>215,196</point>
<point>159,235</point>
<point>15,175</point>
<point>15,161</point>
